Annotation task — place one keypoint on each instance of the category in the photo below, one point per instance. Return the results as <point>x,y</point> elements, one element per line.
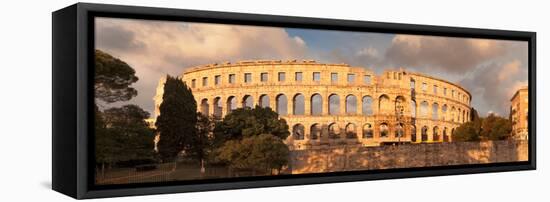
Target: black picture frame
<point>72,99</point>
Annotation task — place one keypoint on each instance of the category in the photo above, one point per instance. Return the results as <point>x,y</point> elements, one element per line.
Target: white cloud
<point>157,48</point>
<point>448,54</point>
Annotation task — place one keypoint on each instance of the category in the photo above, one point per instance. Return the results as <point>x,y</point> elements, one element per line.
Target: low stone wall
<point>346,158</point>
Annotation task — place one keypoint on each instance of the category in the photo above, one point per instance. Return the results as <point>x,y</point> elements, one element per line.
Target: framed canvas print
<point>154,100</point>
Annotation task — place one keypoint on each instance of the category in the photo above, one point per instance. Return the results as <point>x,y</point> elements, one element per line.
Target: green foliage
<point>123,135</point>
<point>489,128</point>
<point>251,139</point>
<point>261,152</point>
<point>469,131</point>
<point>496,128</point>
<point>113,78</point>
<point>246,122</point>
<point>177,121</point>
<point>201,145</point>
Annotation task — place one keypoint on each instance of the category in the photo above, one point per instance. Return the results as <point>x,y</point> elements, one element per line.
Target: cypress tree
<point>177,120</point>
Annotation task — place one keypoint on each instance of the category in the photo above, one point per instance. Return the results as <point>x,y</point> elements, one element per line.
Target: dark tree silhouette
<point>113,78</point>
<point>177,121</point>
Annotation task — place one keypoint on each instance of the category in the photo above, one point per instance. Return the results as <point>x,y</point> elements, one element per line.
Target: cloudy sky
<point>491,70</point>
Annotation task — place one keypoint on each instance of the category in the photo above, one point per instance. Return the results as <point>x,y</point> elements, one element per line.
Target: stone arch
<point>400,105</point>
<point>264,101</point>
<point>316,104</point>
<point>248,101</point>
<point>435,111</point>
<point>298,132</point>
<point>435,133</point>
<point>399,130</point>
<point>205,107</point>
<point>384,130</point>
<point>231,103</point>
<point>424,134</point>
<point>367,105</point>
<point>458,115</point>
<point>218,107</point>
<point>315,131</point>
<point>334,131</point>
<point>281,104</point>
<point>424,109</point>
<point>298,104</point>
<point>444,112</point>
<point>368,131</point>
<point>453,114</point>
<point>334,104</point>
<point>384,105</point>
<point>351,131</point>
<point>351,104</point>
<point>445,135</point>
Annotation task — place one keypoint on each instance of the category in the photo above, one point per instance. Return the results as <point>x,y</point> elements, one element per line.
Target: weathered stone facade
<point>333,104</point>
<point>519,114</point>
<point>346,158</point>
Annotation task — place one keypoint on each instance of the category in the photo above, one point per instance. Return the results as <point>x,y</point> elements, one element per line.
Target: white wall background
<point>25,101</point>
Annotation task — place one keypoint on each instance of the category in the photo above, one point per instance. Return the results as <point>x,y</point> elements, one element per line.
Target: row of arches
<point>350,131</point>
<point>298,103</point>
<point>440,113</point>
<point>352,104</point>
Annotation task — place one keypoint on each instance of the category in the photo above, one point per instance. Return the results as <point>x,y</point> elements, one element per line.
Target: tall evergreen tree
<point>177,120</point>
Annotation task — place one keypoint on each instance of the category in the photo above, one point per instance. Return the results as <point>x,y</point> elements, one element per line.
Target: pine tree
<point>177,120</point>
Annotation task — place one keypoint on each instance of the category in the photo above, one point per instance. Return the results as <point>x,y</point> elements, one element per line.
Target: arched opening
<point>204,106</point>
<point>248,101</point>
<point>444,112</point>
<point>458,115</point>
<point>400,105</point>
<point>231,104</point>
<point>316,104</point>
<point>367,131</point>
<point>298,104</point>
<point>424,134</point>
<point>413,133</point>
<point>351,104</point>
<point>453,114</point>
<point>435,111</point>
<point>333,131</point>
<point>384,105</point>
<point>298,132</point>
<point>334,104</point>
<point>384,130</point>
<point>367,105</point>
<point>351,132</point>
<point>282,104</point>
<point>218,107</point>
<point>399,131</point>
<point>436,134</point>
<point>264,101</point>
<point>424,109</point>
<point>445,135</point>
<point>315,131</point>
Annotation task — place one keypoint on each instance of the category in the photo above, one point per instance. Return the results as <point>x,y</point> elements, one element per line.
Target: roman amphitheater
<point>333,104</point>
